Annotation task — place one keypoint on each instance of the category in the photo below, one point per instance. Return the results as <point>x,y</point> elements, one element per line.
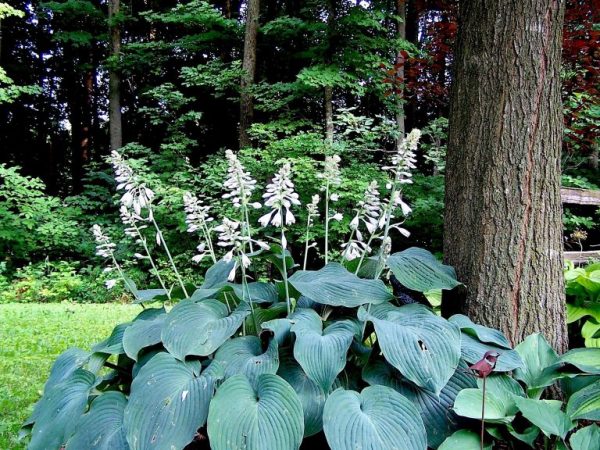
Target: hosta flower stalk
<point>312,210</point>
<point>139,197</point>
<point>332,176</point>
<point>280,197</point>
<point>198,219</point>
<point>130,220</point>
<point>240,185</point>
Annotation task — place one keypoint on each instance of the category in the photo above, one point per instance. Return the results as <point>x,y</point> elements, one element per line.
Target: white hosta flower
<point>239,183</point>
<point>196,213</point>
<point>331,170</point>
<point>280,197</point>
<point>404,160</point>
<point>110,283</point>
<point>131,221</point>
<point>104,246</point>
<point>137,195</point>
<point>337,216</point>
<point>313,206</point>
<point>231,236</point>
<point>354,249</point>
<point>334,197</point>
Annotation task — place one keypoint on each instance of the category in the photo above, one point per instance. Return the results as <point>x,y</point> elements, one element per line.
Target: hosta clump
<point>263,355</point>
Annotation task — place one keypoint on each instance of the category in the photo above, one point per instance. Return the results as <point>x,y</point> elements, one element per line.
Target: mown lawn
<point>31,337</point>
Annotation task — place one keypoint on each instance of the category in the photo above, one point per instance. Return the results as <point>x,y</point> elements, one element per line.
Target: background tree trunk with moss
<point>503,230</point>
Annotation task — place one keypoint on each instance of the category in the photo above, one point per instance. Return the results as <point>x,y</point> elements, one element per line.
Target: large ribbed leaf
<point>199,328</point>
<point>57,413</point>
<point>143,332</point>
<point>67,363</point>
<point>378,418</point>
<point>266,418</point>
<point>244,355</point>
<point>262,315</point>
<point>321,353</point>
<point>500,396</point>
<point>419,270</point>
<point>585,359</point>
<point>473,350</point>
<point>168,402</point>
<point>587,438</point>
<point>334,285</point>
<point>101,428</point>
<point>114,343</point>
<point>310,394</point>
<point>214,280</point>
<point>481,333</point>
<point>258,292</point>
<point>539,364</point>
<point>464,440</point>
<point>424,347</point>
<point>546,415</point>
<point>436,411</point>
<point>585,404</point>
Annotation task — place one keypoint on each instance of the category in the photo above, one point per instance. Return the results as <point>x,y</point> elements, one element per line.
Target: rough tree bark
<point>114,81</point>
<point>249,67</point>
<point>503,230</point>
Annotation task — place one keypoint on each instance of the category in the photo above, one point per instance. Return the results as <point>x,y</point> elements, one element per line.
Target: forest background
<point>328,77</point>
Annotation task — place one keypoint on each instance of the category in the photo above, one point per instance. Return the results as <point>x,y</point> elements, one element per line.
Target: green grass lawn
<point>31,337</point>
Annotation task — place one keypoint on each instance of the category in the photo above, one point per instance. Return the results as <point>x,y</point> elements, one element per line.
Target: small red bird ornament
<point>486,365</point>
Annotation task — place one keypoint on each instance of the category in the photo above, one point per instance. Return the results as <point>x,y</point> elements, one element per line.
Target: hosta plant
<point>583,301</point>
<point>515,410</point>
<point>267,353</point>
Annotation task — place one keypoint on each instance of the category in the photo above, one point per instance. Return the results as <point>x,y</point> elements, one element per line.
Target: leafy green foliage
<point>506,398</point>
<point>583,301</point>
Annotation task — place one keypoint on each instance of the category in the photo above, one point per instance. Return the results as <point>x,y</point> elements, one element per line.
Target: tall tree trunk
<point>249,67</point>
<point>114,80</point>
<point>503,230</point>
<point>328,90</point>
<point>401,13</point>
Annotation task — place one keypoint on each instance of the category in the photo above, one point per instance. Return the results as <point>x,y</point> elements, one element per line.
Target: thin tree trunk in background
<point>401,12</point>
<point>249,67</point>
<point>328,90</point>
<point>503,230</point>
<point>114,83</point>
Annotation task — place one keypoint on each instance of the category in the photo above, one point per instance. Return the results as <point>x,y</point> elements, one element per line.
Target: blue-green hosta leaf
<point>500,400</point>
<point>472,350</point>
<point>168,402</point>
<point>334,285</point>
<point>436,411</point>
<point>266,418</point>
<point>199,328</point>
<point>585,359</point>
<point>483,334</point>
<point>67,363</point>
<point>147,295</point>
<point>546,415</point>
<point>114,343</point>
<point>424,347</point>
<point>464,440</point>
<point>321,353</point>
<point>419,270</point>
<point>281,328</point>
<point>101,427</point>
<point>378,418</point>
<point>587,438</point>
<point>143,332</point>
<point>244,355</point>
<point>214,280</point>
<point>539,364</point>
<point>57,413</point>
<point>258,292</point>
<point>310,394</point>
<point>585,404</point>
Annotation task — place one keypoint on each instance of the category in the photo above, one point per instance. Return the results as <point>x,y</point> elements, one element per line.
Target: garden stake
<point>481,369</point>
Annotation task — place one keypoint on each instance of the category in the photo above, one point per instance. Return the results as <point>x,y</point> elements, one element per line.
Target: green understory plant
<point>516,411</point>
<point>583,301</point>
<point>265,355</point>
